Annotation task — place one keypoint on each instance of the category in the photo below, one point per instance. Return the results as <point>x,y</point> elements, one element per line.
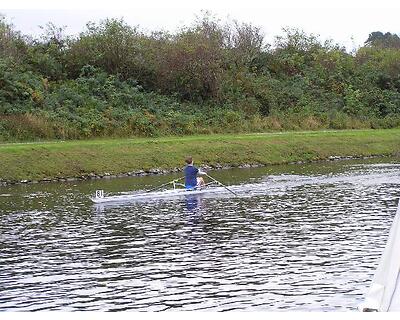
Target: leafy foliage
<point>117,80</point>
<point>383,40</point>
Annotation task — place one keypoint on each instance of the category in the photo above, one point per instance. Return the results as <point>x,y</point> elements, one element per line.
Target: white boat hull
<point>384,292</point>
<point>156,195</point>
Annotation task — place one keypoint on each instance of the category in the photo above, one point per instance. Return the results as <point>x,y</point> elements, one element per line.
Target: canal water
<point>304,237</point>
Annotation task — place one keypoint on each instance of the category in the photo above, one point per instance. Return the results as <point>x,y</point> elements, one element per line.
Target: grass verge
<point>49,160</point>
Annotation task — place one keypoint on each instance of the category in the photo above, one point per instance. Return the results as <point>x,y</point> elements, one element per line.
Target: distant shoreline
<point>57,161</point>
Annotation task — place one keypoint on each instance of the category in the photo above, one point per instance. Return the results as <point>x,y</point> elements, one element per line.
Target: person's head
<point>189,160</point>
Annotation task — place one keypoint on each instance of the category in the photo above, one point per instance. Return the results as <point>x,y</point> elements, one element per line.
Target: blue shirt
<point>190,176</point>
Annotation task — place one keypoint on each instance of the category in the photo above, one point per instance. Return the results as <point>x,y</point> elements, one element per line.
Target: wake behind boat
<point>177,190</point>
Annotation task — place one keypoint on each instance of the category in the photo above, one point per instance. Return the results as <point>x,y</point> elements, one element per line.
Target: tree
<point>47,54</point>
<point>381,40</point>
<point>111,45</point>
<point>192,61</point>
<point>12,43</point>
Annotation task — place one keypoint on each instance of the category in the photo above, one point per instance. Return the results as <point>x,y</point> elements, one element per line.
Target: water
<point>297,238</point>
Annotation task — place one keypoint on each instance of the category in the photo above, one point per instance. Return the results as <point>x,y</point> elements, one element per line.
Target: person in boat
<point>192,181</point>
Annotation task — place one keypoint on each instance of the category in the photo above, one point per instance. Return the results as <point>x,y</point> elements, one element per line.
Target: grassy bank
<point>37,161</point>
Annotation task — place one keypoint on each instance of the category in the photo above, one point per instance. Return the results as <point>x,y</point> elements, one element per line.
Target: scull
<point>213,187</point>
<point>154,195</point>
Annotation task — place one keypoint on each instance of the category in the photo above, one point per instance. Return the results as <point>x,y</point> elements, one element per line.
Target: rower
<point>192,181</point>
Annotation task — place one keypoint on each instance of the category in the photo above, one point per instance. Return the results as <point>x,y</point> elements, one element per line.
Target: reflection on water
<point>296,238</point>
<point>193,202</point>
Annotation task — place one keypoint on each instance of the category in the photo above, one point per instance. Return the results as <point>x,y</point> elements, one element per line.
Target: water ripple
<point>291,242</point>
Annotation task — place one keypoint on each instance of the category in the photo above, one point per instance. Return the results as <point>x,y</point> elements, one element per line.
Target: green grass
<point>55,159</point>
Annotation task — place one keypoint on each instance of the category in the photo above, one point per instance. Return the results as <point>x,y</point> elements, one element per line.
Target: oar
<point>163,185</point>
<point>220,184</point>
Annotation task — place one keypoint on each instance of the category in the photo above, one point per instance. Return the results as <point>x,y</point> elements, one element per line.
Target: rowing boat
<point>212,187</point>
<point>165,194</point>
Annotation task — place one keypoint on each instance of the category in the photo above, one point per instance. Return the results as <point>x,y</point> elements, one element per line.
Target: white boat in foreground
<point>384,292</point>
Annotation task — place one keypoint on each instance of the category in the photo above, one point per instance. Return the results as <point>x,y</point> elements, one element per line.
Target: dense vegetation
<point>117,80</point>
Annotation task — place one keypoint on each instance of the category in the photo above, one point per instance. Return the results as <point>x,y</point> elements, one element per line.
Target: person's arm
<point>201,172</point>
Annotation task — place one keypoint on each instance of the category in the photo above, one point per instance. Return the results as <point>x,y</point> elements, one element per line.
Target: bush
<point>117,80</point>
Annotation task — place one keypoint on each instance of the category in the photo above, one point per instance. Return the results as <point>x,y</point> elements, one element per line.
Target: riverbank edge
<point>311,147</point>
<point>158,171</point>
